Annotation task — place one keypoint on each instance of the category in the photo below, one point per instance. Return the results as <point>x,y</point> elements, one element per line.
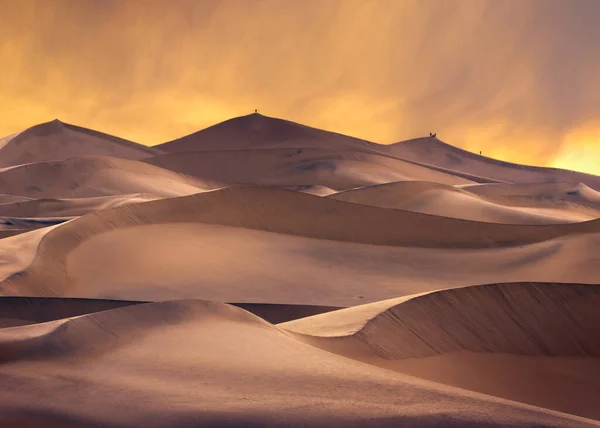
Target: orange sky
<point>519,80</point>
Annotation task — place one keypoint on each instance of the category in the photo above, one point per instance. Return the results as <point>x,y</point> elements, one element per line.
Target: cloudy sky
<point>517,79</point>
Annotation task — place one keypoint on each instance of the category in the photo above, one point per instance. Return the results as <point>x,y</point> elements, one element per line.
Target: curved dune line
<point>515,318</point>
<point>277,211</point>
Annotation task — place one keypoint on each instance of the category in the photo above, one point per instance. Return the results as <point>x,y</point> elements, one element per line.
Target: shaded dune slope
<point>18,310</point>
<point>194,352</point>
<point>518,318</point>
<point>282,212</point>
<point>455,202</point>
<point>95,176</point>
<point>55,140</point>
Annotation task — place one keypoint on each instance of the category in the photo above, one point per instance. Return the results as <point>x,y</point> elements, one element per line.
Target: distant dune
<point>256,131</point>
<point>95,176</point>
<point>458,202</point>
<point>432,151</point>
<point>55,141</point>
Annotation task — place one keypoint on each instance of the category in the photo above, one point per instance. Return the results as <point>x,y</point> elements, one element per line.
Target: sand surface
<point>264,273</point>
<point>218,364</point>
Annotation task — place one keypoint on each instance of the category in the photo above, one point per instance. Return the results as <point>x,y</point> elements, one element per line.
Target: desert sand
<point>264,273</point>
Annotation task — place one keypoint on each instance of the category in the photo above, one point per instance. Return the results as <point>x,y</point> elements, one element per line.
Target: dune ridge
<point>458,202</point>
<point>517,318</point>
<point>279,211</point>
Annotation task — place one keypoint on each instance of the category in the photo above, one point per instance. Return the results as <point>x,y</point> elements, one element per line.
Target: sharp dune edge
<point>521,318</point>
<point>265,273</point>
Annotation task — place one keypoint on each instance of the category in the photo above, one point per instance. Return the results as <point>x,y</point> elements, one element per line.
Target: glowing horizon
<point>515,80</point>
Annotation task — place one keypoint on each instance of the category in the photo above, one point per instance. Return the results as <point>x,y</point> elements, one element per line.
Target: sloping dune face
<point>50,371</point>
<point>95,176</point>
<point>535,343</point>
<point>54,141</point>
<point>523,318</point>
<point>75,251</point>
<point>435,152</point>
<point>455,202</point>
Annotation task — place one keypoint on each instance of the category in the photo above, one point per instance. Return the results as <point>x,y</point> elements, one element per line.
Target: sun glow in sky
<point>517,80</point>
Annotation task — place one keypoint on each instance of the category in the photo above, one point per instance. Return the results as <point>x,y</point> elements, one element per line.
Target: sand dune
<point>335,169</point>
<point>525,318</point>
<point>374,253</point>
<point>435,152</point>
<point>195,363</point>
<point>532,342</point>
<point>324,252</point>
<point>256,131</point>
<point>55,141</point>
<point>449,201</point>
<point>17,252</point>
<point>95,176</point>
<point>70,207</point>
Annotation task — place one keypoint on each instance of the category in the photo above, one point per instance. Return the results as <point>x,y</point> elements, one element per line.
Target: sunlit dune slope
<point>220,245</point>
<point>335,169</point>
<point>96,176</point>
<point>432,151</point>
<point>54,141</point>
<point>197,363</point>
<point>450,201</point>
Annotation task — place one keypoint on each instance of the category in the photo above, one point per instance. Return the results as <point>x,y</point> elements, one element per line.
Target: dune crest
<point>521,318</point>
